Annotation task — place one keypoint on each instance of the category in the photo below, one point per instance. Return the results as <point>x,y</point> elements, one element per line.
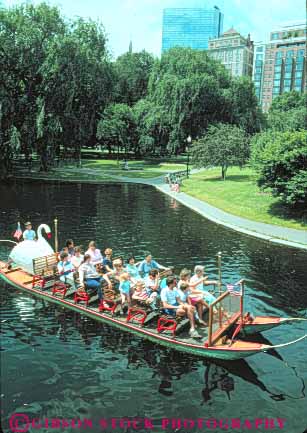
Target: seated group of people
<point>183,296</point>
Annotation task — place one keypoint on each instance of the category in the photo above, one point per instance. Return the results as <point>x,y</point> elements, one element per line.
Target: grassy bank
<point>240,195</point>
<point>108,170</point>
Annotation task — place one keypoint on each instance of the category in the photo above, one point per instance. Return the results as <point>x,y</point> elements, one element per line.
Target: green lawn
<point>240,196</point>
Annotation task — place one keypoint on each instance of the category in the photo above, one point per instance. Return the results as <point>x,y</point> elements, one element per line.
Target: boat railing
<point>223,313</point>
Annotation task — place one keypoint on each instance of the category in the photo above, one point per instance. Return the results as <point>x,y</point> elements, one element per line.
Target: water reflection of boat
<point>218,340</point>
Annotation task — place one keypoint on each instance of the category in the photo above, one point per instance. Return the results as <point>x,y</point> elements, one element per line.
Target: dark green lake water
<point>56,363</point>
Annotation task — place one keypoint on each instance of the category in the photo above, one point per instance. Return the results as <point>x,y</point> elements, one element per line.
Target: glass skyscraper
<point>190,27</point>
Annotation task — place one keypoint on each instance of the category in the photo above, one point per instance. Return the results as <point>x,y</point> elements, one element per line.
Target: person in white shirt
<point>77,258</point>
<point>198,281</point>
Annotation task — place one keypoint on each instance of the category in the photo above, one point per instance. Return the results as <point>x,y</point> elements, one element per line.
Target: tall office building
<point>190,27</point>
<point>258,66</point>
<point>234,51</point>
<point>285,63</point>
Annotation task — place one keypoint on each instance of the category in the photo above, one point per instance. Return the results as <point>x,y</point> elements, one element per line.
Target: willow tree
<point>26,32</point>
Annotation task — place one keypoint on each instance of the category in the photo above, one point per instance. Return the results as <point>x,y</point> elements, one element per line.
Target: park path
<point>270,232</point>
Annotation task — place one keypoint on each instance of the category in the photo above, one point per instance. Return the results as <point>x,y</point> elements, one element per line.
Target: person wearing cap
<point>199,281</point>
<point>29,234</point>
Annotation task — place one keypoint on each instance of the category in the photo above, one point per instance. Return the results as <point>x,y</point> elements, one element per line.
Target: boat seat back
<point>45,265</point>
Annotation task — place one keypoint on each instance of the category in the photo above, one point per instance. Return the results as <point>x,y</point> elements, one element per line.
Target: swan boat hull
<point>222,349</point>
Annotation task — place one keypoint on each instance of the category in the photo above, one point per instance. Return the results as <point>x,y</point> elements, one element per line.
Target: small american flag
<point>18,233</point>
<point>234,290</point>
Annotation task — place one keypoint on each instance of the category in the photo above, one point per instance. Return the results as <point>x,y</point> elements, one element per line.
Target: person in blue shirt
<point>66,270</point>
<point>125,288</point>
<point>29,234</point>
<point>148,264</point>
<point>174,306</point>
<point>167,273</point>
<point>132,269</point>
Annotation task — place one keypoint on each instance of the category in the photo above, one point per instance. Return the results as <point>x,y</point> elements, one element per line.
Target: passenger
<point>89,277</point>
<point>147,264</point>
<point>152,282</point>
<point>95,253</point>
<point>70,246</point>
<point>29,234</point>
<point>167,273</point>
<point>140,294</point>
<point>107,260</point>
<point>191,298</point>
<point>64,250</point>
<point>66,270</point>
<point>173,305</point>
<point>117,270</point>
<point>198,281</point>
<point>77,258</point>
<point>125,288</point>
<point>132,269</point>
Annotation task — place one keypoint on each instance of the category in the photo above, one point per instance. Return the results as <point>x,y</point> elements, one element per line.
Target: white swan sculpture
<point>24,252</point>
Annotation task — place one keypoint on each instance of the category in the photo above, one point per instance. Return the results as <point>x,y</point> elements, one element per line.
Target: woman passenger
<point>77,258</point>
<point>107,260</point>
<point>94,253</point>
<point>89,277</point>
<point>132,269</point>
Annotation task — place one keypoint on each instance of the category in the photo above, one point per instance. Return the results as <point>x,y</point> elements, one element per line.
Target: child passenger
<point>125,288</point>
<point>141,294</point>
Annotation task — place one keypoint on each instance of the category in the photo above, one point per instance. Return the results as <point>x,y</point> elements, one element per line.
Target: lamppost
<point>189,141</point>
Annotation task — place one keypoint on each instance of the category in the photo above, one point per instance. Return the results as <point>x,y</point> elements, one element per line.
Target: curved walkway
<point>273,233</point>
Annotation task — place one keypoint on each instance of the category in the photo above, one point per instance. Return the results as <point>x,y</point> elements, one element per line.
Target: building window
<point>300,53</point>
<point>274,36</point>
<point>277,68</point>
<point>288,75</point>
<point>276,83</point>
<point>299,66</point>
<point>279,54</point>
<point>277,75</point>
<point>278,62</point>
<point>298,83</point>
<point>289,53</point>
<point>298,74</point>
<point>259,49</point>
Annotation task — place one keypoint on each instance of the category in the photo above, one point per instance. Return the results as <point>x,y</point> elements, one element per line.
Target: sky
<point>141,20</point>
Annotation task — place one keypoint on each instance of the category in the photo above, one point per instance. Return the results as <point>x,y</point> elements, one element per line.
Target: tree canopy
<point>223,145</point>
<point>281,160</point>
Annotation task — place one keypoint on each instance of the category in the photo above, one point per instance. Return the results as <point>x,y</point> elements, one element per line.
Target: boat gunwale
<point>157,338</point>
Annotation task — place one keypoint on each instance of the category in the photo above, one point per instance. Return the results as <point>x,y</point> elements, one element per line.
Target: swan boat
<point>219,340</point>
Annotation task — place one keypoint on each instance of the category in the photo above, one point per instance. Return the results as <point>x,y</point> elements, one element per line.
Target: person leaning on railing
<point>90,279</point>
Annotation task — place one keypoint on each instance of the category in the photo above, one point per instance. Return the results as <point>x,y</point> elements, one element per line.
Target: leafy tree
<point>153,128</point>
<point>25,34</point>
<point>117,127</point>
<point>132,74</point>
<point>242,105</point>
<point>196,91</point>
<point>288,112</point>
<point>223,145</point>
<point>281,161</point>
<point>77,84</point>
